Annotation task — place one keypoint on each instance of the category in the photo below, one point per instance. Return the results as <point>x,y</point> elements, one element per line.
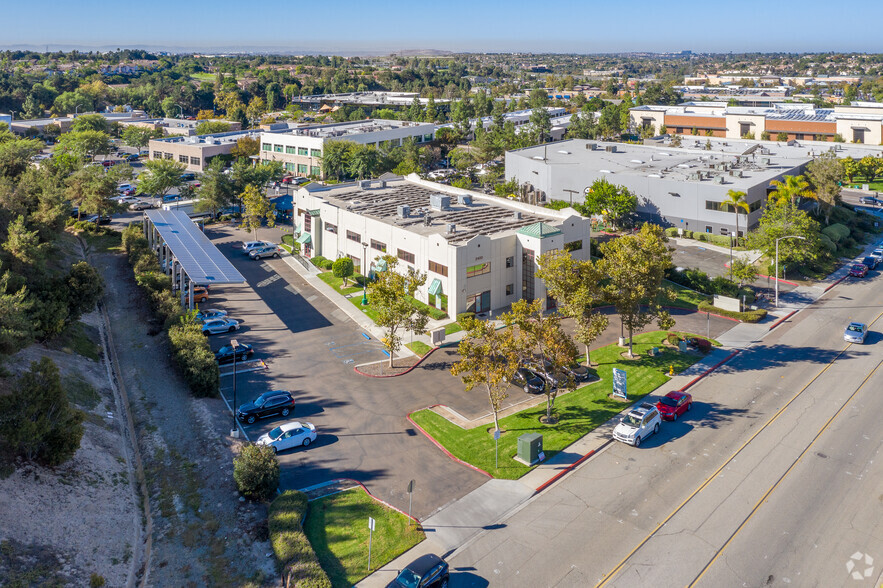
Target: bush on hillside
<point>294,554</point>
<point>836,232</point>
<point>256,472</point>
<point>195,359</point>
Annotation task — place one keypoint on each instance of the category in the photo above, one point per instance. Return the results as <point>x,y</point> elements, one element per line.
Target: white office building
<point>479,252</point>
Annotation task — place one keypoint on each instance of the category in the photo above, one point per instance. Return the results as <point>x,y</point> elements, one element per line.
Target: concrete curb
<point>781,280</point>
<point>783,319</point>
<point>711,369</point>
<point>440,446</point>
<point>407,371</point>
<point>834,283</point>
<point>571,467</point>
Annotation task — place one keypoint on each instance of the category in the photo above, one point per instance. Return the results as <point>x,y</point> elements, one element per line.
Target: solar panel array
<point>202,261</point>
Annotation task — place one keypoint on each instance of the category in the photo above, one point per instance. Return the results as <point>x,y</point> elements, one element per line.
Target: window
<point>303,151</point>
<point>301,168</point>
<point>573,246</point>
<point>289,150</point>
<point>707,228</point>
<point>528,258</point>
<point>315,171</point>
<point>354,236</point>
<point>712,205</point>
<point>438,268</point>
<point>510,261</point>
<point>266,147</point>
<point>194,161</point>
<point>755,206</point>
<point>405,256</point>
<point>315,153</point>
<point>725,231</point>
<point>510,288</point>
<point>308,223</point>
<point>427,138</point>
<point>289,167</point>
<point>331,228</point>
<point>744,129</point>
<point>277,148</point>
<point>183,159</point>
<point>479,302</point>
<point>157,154</point>
<point>478,270</point>
<point>378,245</point>
<point>357,262</point>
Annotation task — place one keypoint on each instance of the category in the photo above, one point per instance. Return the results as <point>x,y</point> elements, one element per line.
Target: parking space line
<point>252,368</point>
<point>268,281</point>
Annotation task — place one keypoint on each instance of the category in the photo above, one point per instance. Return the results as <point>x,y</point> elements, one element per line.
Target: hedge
<point>750,316</point>
<point>294,555</point>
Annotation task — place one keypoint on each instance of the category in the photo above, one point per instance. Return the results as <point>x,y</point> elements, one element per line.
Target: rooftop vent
<point>404,211</point>
<point>427,220</point>
<point>439,201</point>
<point>610,148</point>
<point>718,179</point>
<point>591,146</point>
<point>764,161</point>
<point>465,200</point>
<point>516,215</point>
<point>452,229</point>
<point>364,184</point>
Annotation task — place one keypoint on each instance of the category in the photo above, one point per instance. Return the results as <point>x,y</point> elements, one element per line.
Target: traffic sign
<point>371,523</point>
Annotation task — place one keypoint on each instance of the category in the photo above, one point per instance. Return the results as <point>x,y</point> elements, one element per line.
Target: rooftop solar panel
<point>201,260</point>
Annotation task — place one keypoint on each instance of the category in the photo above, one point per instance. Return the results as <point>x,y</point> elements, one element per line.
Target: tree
<point>488,358</point>
<point>336,158</point>
<point>16,156</point>
<point>256,472</point>
<point>38,422</point>
<point>85,286</point>
<point>205,115</point>
<point>343,268</point>
<point>82,144</point>
<point>540,340</point>
<point>215,190</point>
<point>90,122</point>
<point>540,125</point>
<point>363,161</point>
<point>246,147</point>
<point>582,126</point>
<point>390,297</point>
<point>610,123</point>
<point>461,159</point>
<point>257,208</point>
<point>826,174</point>
<point>139,137</point>
<point>743,271</point>
<point>576,286</point>
<point>850,168</point>
<point>792,189</point>
<point>210,127</point>
<point>781,219</point>
<point>870,167</point>
<point>615,203</point>
<point>635,266</point>
<point>256,108</point>
<point>736,201</point>
<point>160,176</point>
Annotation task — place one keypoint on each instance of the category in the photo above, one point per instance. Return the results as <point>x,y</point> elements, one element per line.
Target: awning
<point>314,212</point>
<point>435,288</point>
<point>305,239</point>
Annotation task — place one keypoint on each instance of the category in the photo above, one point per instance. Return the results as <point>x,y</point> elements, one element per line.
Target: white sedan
<point>294,434</point>
<point>219,325</point>
<point>209,314</point>
<point>855,333</point>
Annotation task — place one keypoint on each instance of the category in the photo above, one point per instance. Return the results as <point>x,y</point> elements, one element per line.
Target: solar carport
<point>186,252</point>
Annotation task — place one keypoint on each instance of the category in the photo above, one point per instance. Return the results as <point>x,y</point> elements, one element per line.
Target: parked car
<point>855,333</point>
<point>200,293</point>
<point>172,198</point>
<point>529,380</point>
<point>267,404</point>
<point>128,192</point>
<point>210,313</point>
<point>870,200</point>
<point>266,251</point>
<point>294,434</point>
<point>300,180</point>
<point>871,262</point>
<point>641,421</point>
<point>250,245</point>
<point>123,187</point>
<point>578,372</point>
<point>188,177</point>
<point>426,571</point>
<point>674,404</point>
<point>141,205</point>
<point>132,157</point>
<point>99,220</point>
<point>858,270</point>
<point>126,199</point>
<point>219,325</point>
<point>226,353</point>
<point>878,253</point>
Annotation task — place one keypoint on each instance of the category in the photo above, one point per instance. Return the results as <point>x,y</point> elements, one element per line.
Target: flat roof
<point>202,261</point>
<point>215,138</point>
<point>358,127</point>
<point>483,216</point>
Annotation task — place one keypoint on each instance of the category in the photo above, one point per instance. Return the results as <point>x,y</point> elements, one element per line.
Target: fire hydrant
<point>671,370</point>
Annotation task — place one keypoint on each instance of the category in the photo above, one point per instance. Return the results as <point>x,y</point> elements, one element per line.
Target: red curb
<point>783,319</point>
<point>440,446</point>
<point>835,283</point>
<point>407,371</point>
<point>709,370</point>
<point>565,471</point>
<point>781,280</point>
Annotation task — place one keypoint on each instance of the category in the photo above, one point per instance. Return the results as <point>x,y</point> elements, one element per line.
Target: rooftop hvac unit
<point>764,161</point>
<point>452,229</point>
<point>516,215</point>
<point>465,200</point>
<point>404,211</point>
<point>364,184</point>
<point>427,220</point>
<point>718,179</point>
<point>591,146</point>
<point>610,149</point>
<point>383,183</point>
<point>439,201</point>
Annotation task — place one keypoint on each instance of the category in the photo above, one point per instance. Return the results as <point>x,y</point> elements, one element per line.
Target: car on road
<point>855,333</point>
<point>878,253</point>
<point>248,246</point>
<point>426,571</point>
<point>294,434</point>
<point>870,200</point>
<point>871,262</point>
<point>639,423</point>
<point>529,380</point>
<point>99,220</point>
<point>132,157</point>
<point>226,353</point>
<point>267,404</point>
<point>674,404</point>
<point>266,251</point>
<point>141,205</point>
<point>210,313</point>
<point>219,325</point>
<point>858,270</point>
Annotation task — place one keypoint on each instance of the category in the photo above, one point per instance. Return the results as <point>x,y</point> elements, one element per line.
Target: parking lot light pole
<point>777,261</point>
<point>364,274</point>
<point>235,431</point>
<point>732,236</point>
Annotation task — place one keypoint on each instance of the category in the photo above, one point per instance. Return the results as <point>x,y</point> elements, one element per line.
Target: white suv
<point>640,422</point>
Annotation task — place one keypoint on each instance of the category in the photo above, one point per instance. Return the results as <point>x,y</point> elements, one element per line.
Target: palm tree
<point>735,202</point>
<point>793,188</point>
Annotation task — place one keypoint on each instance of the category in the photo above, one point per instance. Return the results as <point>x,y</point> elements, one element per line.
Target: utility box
<point>530,446</point>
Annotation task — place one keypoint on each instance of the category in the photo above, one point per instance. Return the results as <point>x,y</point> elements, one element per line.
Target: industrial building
<point>479,252</point>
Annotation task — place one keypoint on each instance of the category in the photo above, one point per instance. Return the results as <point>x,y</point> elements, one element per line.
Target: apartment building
<point>300,150</point>
<point>479,252</point>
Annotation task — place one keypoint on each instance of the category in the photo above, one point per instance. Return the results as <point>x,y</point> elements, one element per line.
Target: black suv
<point>532,382</point>
<point>225,353</point>
<point>427,571</point>
<point>267,404</point>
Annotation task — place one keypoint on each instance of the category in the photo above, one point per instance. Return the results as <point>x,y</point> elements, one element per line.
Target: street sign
<point>619,384</point>
<point>370,537</point>
<point>497,434</point>
<point>587,190</point>
<point>410,486</point>
<point>371,523</point>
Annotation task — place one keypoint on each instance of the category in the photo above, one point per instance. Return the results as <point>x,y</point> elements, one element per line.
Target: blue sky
<point>588,26</point>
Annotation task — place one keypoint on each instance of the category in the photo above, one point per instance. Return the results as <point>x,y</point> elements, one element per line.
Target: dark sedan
<point>225,354</point>
<point>99,220</point>
<point>871,262</point>
<point>529,380</point>
<point>267,404</point>
<point>427,571</point>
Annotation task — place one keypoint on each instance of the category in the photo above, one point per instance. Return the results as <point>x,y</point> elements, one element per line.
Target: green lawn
<point>858,181</point>
<point>419,347</point>
<point>452,328</point>
<point>579,412</point>
<point>337,527</point>
<point>337,283</point>
<point>687,298</point>
<point>203,77</point>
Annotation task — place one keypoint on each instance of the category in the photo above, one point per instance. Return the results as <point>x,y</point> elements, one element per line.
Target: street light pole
<point>732,236</point>
<point>234,344</point>
<point>777,261</point>
<point>180,110</point>
<point>364,274</point>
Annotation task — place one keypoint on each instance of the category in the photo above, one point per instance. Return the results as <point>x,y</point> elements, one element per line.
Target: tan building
<point>196,152</point>
<point>177,126</point>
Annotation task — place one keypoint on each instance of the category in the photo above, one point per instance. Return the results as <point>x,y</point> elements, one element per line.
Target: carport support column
<point>190,296</point>
<point>181,282</point>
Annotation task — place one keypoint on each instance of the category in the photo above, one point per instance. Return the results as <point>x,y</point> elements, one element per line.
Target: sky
<point>350,26</point>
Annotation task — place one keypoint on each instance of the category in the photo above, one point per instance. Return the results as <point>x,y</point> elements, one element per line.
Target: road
<point>775,478</point>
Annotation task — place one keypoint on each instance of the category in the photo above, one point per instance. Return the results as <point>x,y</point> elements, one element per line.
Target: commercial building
<point>859,122</point>
<point>38,125</point>
<point>197,151</point>
<point>368,99</point>
<point>176,126</point>
<point>521,119</point>
<point>300,149</point>
<point>479,252</point>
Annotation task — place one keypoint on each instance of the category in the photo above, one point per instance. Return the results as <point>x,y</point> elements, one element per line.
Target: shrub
<point>318,261</point>
<point>256,472</point>
<point>39,422</point>
<point>671,231</point>
<point>724,287</point>
<point>701,345</point>
<point>195,359</point>
<point>827,244</point>
<point>85,287</point>
<point>96,580</point>
<point>294,554</point>
<point>465,315</point>
<point>673,338</point>
<point>837,232</point>
<point>750,316</point>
